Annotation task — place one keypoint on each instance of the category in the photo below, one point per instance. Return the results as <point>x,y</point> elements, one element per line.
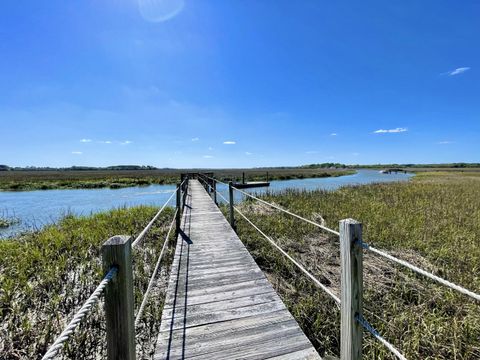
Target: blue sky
<point>199,83</point>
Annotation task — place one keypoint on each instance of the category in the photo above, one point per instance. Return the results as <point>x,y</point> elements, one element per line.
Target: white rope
<point>281,209</point>
<point>149,225</point>
<point>317,282</point>
<point>84,310</point>
<point>366,325</point>
<point>424,273</point>
<point>378,252</point>
<point>223,197</point>
<point>288,212</point>
<point>154,274</point>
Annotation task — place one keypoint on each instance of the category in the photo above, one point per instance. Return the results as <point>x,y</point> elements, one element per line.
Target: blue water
<point>331,183</point>
<point>37,208</point>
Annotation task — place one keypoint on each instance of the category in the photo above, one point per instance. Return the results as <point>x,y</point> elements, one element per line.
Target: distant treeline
<point>325,166</point>
<point>383,166</point>
<point>78,168</point>
<point>433,166</point>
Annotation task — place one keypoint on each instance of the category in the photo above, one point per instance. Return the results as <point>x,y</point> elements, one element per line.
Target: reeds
<point>433,221</point>
<point>46,276</point>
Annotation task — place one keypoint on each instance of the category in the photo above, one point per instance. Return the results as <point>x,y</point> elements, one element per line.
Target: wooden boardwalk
<point>219,304</point>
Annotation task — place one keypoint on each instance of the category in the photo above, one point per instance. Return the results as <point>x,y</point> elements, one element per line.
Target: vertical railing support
<point>230,195</point>
<point>117,252</point>
<point>179,209</point>
<point>243,177</point>
<point>351,258</point>
<point>214,183</point>
<point>185,191</point>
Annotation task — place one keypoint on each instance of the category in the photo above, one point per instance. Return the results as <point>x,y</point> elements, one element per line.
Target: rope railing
<point>404,263</point>
<point>281,209</point>
<point>305,271</point>
<point>366,325</point>
<point>154,274</point>
<point>78,317</point>
<point>150,224</point>
<point>123,243</point>
<point>297,264</point>
<point>425,273</point>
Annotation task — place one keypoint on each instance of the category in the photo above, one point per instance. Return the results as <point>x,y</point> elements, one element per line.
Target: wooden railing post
<point>179,209</point>
<point>185,190</point>
<point>214,183</point>
<point>351,257</point>
<point>117,251</point>
<point>230,194</point>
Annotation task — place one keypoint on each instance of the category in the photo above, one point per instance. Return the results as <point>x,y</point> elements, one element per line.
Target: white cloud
<point>77,152</point>
<point>105,142</point>
<point>207,156</point>
<point>126,142</point>
<point>458,71</point>
<point>195,139</point>
<point>390,131</point>
<point>355,154</point>
<point>333,134</point>
<point>445,142</point>
<point>229,142</point>
<point>85,140</point>
<point>248,153</point>
<point>210,148</point>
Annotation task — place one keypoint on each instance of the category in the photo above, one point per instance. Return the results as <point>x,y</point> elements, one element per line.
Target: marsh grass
<point>46,276</point>
<point>116,179</point>
<point>8,219</point>
<point>433,222</point>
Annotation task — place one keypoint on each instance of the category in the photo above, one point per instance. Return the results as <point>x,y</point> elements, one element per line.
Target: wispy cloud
<point>445,142</point>
<point>126,142</point>
<point>104,142</point>
<point>77,152</point>
<point>390,131</point>
<point>458,71</point>
<point>85,140</point>
<point>229,142</point>
<point>195,139</point>
<point>355,153</point>
<point>207,156</point>
<point>333,134</point>
<point>210,148</point>
<point>248,153</point>
<point>311,152</point>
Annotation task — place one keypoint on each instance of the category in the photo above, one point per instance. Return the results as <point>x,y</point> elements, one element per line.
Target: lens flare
<point>159,10</point>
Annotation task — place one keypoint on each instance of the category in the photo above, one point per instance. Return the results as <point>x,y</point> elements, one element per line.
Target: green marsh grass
<point>115,179</point>
<point>46,276</point>
<point>432,221</point>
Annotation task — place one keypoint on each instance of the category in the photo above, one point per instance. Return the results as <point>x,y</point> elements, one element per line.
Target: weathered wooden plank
<point>216,348</point>
<point>219,304</point>
<point>196,319</point>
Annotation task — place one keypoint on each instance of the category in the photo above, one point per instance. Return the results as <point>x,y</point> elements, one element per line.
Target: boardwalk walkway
<point>219,304</point>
